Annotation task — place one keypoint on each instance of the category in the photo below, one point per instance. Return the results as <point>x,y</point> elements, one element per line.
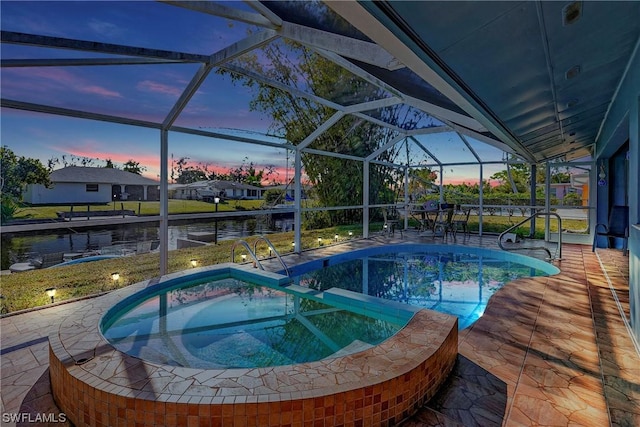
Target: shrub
<point>9,208</point>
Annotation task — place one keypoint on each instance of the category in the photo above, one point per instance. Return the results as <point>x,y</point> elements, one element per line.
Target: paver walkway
<point>548,351</point>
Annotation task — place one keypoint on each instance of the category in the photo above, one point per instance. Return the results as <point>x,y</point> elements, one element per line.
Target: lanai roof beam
<point>48,109</point>
<point>294,91</point>
<point>320,130</point>
<point>384,148</point>
<point>99,47</point>
<point>419,144</point>
<point>218,9</point>
<point>367,52</point>
<point>223,55</point>
<point>82,62</point>
<point>264,11</point>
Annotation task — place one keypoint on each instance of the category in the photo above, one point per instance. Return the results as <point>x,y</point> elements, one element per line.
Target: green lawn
<point>498,224</point>
<point>143,208</point>
<point>27,290</point>
<point>490,223</point>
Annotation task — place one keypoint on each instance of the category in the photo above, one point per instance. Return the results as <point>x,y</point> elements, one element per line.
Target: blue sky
<point>143,92</point>
<point>139,91</point>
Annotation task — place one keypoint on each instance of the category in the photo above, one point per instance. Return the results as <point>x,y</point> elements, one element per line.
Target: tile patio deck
<point>548,351</point>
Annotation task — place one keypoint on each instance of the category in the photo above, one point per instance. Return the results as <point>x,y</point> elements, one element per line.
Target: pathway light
<point>51,293</point>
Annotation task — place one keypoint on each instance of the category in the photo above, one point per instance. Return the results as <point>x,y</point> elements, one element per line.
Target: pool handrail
<point>246,246</point>
<point>273,249</point>
<point>513,227</point>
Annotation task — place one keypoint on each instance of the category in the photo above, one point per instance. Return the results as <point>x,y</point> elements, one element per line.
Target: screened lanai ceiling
<point>184,82</point>
<point>541,75</point>
<point>509,75</point>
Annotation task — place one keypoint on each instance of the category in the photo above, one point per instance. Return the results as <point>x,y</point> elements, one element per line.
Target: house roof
<point>285,187</point>
<point>82,174</point>
<point>216,184</point>
<point>226,185</point>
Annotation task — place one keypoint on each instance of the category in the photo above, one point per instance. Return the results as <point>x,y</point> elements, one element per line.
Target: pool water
<point>229,323</point>
<point>457,282</point>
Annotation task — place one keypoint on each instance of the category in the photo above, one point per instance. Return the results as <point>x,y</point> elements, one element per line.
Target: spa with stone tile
<point>95,384</point>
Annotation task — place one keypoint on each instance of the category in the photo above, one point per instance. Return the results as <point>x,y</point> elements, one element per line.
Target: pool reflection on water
<point>229,323</point>
<point>455,283</point>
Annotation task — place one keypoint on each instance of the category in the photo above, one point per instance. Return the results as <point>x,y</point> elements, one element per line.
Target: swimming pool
<point>457,280</point>
<point>224,322</point>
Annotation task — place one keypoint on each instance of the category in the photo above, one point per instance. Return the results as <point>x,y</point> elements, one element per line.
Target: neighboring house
<point>559,190</point>
<point>82,185</point>
<point>289,191</point>
<point>207,190</point>
<point>579,184</point>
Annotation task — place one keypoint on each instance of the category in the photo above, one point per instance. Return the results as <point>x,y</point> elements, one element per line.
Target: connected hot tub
<point>149,354</point>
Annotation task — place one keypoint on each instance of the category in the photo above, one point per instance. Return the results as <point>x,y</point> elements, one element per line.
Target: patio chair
<point>391,221</point>
<point>443,224</point>
<point>617,227</point>
<point>461,219</point>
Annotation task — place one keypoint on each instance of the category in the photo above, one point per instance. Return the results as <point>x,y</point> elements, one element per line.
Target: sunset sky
<point>145,92</point>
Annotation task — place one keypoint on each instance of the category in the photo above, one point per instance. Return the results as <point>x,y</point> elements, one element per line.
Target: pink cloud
<point>94,150</point>
<point>149,86</point>
<point>97,90</point>
<point>55,79</point>
<point>279,174</point>
<point>458,181</point>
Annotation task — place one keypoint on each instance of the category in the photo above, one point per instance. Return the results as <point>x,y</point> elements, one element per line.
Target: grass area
<point>27,290</point>
<point>498,224</point>
<point>141,208</point>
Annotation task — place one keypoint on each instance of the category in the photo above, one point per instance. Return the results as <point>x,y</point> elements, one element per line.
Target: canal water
<point>20,247</point>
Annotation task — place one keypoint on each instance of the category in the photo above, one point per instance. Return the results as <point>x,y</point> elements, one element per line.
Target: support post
<point>481,200</point>
<point>532,199</point>
<point>365,199</point>
<point>407,206</point>
<point>164,202</point>
<point>297,202</point>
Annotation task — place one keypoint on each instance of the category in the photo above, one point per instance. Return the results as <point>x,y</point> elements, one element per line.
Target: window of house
<point>92,187</point>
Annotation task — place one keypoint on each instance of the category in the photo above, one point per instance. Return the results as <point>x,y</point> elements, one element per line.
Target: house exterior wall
<point>623,121</point>
<point>226,190</point>
<point>64,192</point>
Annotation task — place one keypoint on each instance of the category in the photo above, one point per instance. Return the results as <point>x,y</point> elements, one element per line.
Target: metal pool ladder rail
<point>510,229</point>
<point>253,252</point>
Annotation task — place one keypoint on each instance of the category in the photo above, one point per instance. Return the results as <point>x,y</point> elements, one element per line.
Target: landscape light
<point>336,237</point>
<point>350,233</point>
<point>244,257</point>
<point>115,276</point>
<point>194,262</point>
<point>51,292</point>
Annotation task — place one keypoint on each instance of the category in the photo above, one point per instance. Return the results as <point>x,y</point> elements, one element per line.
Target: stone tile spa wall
<point>95,384</point>
<point>379,386</point>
